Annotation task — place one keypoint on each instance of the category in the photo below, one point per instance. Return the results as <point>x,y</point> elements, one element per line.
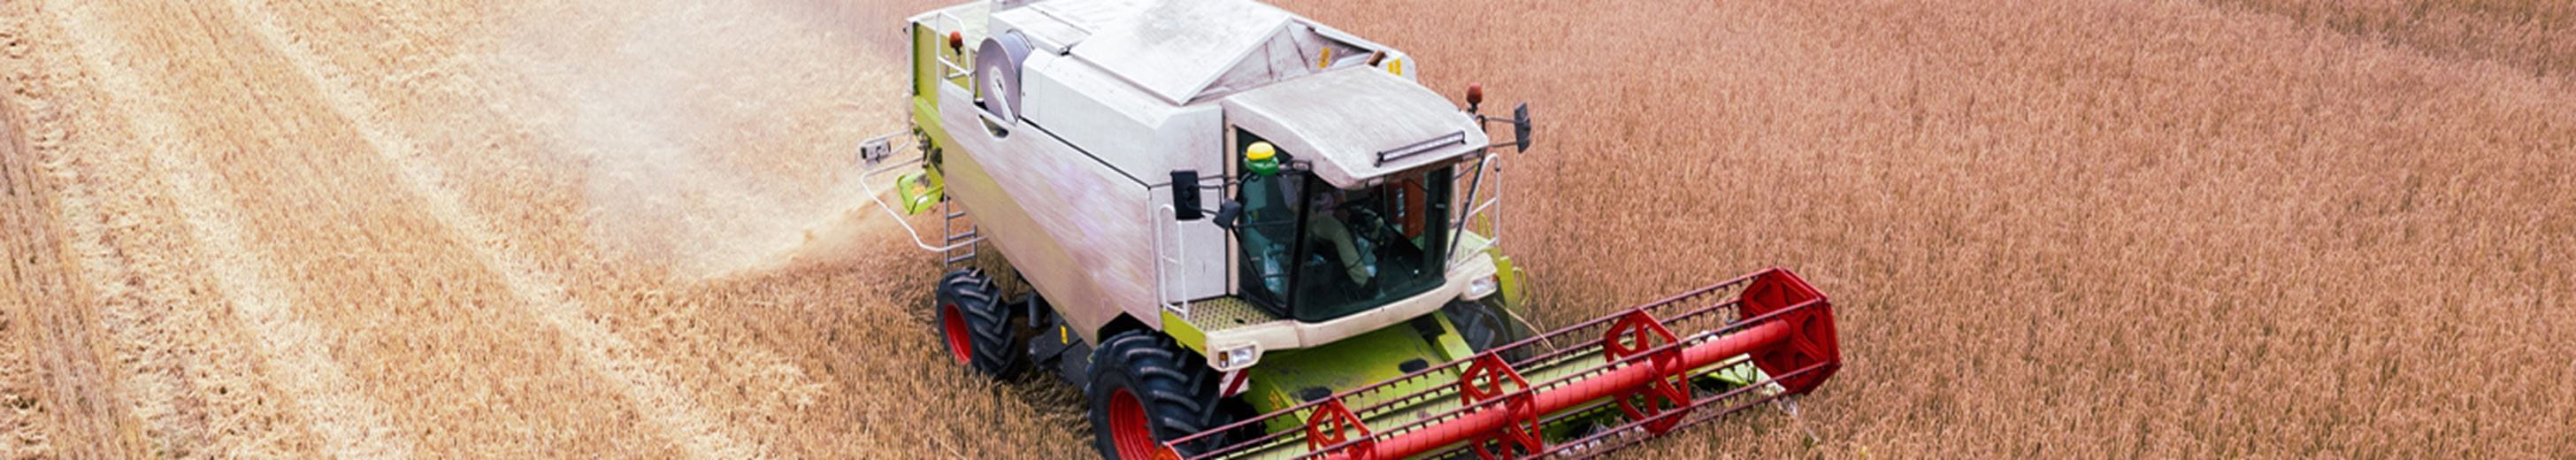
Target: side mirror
<point>1185,195</point>
<point>1521,126</point>
<point>1227,214</point>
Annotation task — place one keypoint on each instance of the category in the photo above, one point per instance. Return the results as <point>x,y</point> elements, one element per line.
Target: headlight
<point>1237,357</point>
<point>1481,287</point>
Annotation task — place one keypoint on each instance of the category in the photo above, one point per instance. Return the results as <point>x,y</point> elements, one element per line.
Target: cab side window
<point>1267,233</point>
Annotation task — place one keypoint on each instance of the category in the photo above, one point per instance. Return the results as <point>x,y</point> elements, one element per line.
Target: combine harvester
<point>1346,295</point>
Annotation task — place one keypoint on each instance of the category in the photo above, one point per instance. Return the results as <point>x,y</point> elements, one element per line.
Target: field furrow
<point>329,402</point>
<point>181,379</point>
<point>51,357</point>
<point>394,307</point>
<point>642,380</point>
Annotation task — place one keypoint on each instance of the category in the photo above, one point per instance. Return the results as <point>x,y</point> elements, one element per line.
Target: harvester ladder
<point>956,254</point>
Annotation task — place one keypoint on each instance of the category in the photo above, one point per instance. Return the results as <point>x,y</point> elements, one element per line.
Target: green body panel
<point>925,115</point>
<point>927,48</point>
<point>1188,335</point>
<point>919,190</point>
<point>1509,277</point>
<point>1452,345</point>
<point>928,45</point>
<point>1351,363</point>
<point>925,91</point>
<point>924,67</point>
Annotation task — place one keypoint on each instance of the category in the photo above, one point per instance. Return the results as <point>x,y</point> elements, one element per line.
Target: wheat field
<point>2163,229</point>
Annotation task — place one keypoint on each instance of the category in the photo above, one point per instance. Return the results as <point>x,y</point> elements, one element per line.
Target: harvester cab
<point>1243,234</point>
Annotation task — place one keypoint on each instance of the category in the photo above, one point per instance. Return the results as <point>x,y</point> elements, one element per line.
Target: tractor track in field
<point>131,362</point>
<point>55,356</point>
<point>232,210</point>
<point>64,337</point>
<point>640,379</point>
<point>351,424</point>
<point>346,413</point>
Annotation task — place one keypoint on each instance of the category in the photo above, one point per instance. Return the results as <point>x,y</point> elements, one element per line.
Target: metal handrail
<point>870,177</point>
<point>1180,247</point>
<point>1458,229</point>
<point>954,71</point>
<point>952,67</point>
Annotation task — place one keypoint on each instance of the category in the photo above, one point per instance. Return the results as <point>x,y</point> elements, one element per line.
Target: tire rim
<point>961,344</point>
<point>1127,426</point>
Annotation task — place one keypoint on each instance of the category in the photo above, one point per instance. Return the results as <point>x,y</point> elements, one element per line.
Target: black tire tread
<point>1177,387</point>
<point>988,321</point>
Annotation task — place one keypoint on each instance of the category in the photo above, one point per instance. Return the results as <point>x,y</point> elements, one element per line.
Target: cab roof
<point>1356,124</point>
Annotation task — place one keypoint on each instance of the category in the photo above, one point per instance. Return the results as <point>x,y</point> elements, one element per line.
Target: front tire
<point>975,326</point>
<point>1146,390</point>
<point>1486,326</point>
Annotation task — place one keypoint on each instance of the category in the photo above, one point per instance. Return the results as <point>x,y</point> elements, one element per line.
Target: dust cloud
<point>697,129</point>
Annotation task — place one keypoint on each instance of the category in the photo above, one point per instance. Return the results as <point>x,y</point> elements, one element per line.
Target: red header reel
<point>1628,374</point>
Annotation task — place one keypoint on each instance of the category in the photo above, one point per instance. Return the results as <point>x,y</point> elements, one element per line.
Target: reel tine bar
<point>1780,322</point>
<point>1639,333</point>
<point>1491,378</point>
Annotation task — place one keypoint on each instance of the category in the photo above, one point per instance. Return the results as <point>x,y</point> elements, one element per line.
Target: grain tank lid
<point>1175,48</point>
<point>1054,25</point>
<point>1356,124</point>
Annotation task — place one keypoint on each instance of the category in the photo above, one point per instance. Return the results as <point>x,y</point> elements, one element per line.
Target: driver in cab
<point>1327,225</point>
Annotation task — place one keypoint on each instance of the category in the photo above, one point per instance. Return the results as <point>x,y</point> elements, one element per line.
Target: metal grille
<point>1227,313</point>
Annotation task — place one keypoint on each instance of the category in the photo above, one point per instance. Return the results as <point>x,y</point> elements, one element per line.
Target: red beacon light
<point>1475,96</point>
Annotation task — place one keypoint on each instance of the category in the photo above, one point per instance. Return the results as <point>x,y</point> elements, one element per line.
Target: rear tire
<point>1146,390</point>
<point>975,326</point>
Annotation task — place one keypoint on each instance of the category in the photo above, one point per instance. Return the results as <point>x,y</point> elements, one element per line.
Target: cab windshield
<point>1314,252</point>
